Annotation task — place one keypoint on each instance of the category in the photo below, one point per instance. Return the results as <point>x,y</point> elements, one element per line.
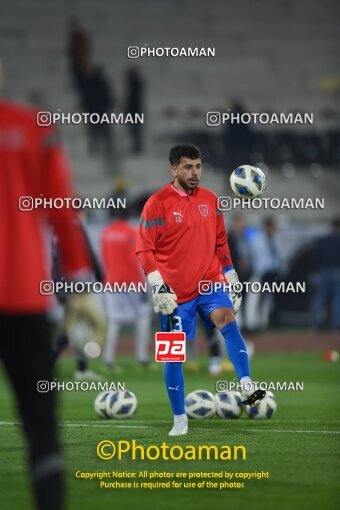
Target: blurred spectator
<point>267,266</point>
<point>218,362</point>
<point>119,191</point>
<point>326,260</point>
<point>79,49</point>
<point>239,247</point>
<point>239,138</point>
<point>97,97</point>
<point>77,327</point>
<point>240,252</point>
<point>121,267</point>
<point>135,103</point>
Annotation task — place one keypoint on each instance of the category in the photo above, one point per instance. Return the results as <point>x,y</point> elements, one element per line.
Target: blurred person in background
<point>239,245</point>
<point>326,277</point>
<point>75,327</point>
<point>239,138</point>
<point>216,352</point>
<point>33,165</point>
<point>217,361</point>
<point>96,96</point>
<point>79,50</point>
<point>118,248</point>
<point>267,266</point>
<point>135,103</point>
<point>119,192</point>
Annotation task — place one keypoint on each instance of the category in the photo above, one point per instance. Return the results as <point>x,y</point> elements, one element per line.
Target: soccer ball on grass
<point>121,404</point>
<point>200,404</point>
<point>100,404</point>
<point>264,409</point>
<point>229,404</point>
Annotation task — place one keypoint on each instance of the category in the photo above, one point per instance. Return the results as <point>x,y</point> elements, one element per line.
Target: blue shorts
<point>184,317</point>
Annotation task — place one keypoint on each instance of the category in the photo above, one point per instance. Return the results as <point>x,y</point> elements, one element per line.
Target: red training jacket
<point>32,164</point>
<point>183,236</point>
<point>118,254</point>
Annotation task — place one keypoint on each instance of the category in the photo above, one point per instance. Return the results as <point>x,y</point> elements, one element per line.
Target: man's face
<point>188,173</point>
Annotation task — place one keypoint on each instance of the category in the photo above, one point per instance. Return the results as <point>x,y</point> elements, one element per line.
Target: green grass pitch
<point>299,446</point>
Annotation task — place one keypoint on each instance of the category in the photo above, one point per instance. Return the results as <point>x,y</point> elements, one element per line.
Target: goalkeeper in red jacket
<point>181,242</point>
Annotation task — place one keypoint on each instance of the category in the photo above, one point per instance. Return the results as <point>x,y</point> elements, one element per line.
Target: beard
<point>187,185</point>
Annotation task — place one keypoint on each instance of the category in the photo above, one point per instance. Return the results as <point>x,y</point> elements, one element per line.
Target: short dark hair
<point>184,151</point>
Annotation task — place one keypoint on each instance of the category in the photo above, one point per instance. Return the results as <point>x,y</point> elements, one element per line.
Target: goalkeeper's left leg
<point>174,381</point>
<point>224,319</point>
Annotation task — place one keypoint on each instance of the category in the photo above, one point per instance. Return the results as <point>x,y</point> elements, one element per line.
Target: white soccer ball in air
<point>264,409</point>
<point>100,404</point>
<point>229,404</point>
<point>200,404</point>
<point>121,404</point>
<point>248,181</point>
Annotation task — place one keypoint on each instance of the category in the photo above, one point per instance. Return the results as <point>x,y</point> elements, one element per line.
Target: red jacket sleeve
<point>222,248</point>
<point>74,256</point>
<point>150,230</point>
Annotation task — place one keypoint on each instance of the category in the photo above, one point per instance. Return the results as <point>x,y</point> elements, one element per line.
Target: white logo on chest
<point>178,216</point>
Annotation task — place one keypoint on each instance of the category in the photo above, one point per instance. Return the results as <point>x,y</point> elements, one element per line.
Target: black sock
<point>82,365</point>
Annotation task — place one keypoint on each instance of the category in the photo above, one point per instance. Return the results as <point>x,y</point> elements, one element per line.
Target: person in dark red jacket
<point>118,246</point>
<point>33,165</point>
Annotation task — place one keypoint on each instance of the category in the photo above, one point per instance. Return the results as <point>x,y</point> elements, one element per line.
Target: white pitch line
<point>117,426</point>
<point>218,421</point>
<point>293,431</point>
<point>93,425</point>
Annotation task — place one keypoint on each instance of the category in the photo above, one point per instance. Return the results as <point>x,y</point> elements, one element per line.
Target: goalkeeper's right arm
<point>150,230</point>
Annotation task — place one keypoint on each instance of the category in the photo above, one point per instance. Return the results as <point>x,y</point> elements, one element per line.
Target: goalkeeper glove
<point>236,297</point>
<point>164,298</point>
